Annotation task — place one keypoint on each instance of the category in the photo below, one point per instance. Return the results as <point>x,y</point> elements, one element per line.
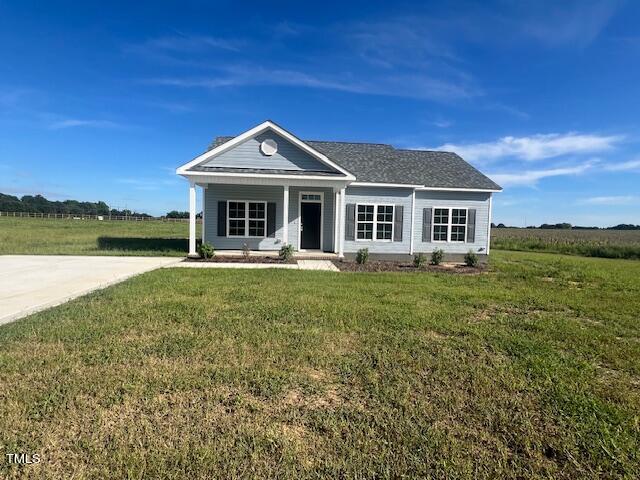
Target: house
<point>266,188</point>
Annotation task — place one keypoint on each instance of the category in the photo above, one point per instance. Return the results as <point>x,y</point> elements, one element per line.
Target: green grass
<point>587,243</point>
<point>91,237</point>
<point>529,371</point>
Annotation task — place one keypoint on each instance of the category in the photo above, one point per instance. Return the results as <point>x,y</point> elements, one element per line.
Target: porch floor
<point>316,255</point>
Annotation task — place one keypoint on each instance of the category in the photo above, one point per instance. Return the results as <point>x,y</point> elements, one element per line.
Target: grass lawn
<point>91,237</point>
<point>531,370</point>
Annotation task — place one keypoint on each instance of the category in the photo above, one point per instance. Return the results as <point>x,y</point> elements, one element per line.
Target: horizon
<point>537,97</point>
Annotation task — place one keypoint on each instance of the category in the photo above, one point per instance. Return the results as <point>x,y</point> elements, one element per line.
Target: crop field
<point>588,243</point>
<point>529,370</point>
<point>92,237</point>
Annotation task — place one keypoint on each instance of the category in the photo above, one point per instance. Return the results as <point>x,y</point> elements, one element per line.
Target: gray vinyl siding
<point>434,199</point>
<point>267,193</point>
<point>384,196</point>
<point>327,215</point>
<point>248,155</point>
<point>218,192</point>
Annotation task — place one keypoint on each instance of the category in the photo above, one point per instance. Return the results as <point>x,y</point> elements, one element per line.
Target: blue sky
<point>102,100</point>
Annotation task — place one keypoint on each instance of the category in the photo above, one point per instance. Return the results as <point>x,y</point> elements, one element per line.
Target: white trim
<point>387,185</point>
<point>267,125</point>
<point>421,187</point>
<point>449,224</point>
<point>488,226</point>
<point>375,222</point>
<point>343,207</point>
<point>192,219</point>
<point>447,189</point>
<point>263,175</point>
<point>204,202</point>
<point>294,181</point>
<point>336,228</point>
<point>246,219</point>
<point>413,220</point>
<point>300,202</point>
<point>285,215</point>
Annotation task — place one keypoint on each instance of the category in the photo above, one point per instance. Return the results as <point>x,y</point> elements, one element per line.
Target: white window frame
<point>375,222</point>
<point>246,219</point>
<point>449,224</point>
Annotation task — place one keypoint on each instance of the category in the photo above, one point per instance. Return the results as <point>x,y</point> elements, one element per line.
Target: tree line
<point>39,204</point>
<point>568,226</point>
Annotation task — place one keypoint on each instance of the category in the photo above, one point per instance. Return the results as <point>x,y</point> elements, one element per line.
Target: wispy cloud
<point>631,165</point>
<point>611,200</point>
<point>535,147</point>
<point>531,177</point>
<point>183,43</point>
<point>576,23</point>
<point>393,84</point>
<point>75,122</point>
<point>149,184</point>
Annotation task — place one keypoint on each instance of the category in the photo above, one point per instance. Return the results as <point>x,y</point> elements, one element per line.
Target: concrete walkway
<point>29,283</point>
<point>325,265</point>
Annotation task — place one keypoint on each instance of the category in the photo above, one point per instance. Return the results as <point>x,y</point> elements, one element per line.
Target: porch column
<point>336,220</point>
<point>285,215</point>
<point>192,219</point>
<point>343,207</point>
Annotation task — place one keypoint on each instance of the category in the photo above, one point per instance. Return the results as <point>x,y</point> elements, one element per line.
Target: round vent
<point>269,147</point>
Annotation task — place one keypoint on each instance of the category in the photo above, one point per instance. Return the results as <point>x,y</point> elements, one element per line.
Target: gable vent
<point>269,147</point>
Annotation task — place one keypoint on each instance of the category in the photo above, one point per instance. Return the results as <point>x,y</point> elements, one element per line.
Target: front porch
<point>265,217</point>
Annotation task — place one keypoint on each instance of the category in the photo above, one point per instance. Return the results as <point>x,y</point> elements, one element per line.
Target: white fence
<point>93,217</point>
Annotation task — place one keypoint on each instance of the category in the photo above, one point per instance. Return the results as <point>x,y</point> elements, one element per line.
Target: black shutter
<point>471,225</point>
<point>397,223</point>
<point>271,220</point>
<point>350,225</point>
<point>426,224</point>
<point>222,219</point>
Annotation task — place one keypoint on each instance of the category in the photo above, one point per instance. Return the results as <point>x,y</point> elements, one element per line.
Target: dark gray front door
<point>310,226</point>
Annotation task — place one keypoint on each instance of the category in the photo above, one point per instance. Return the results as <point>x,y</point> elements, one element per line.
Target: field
<point>588,243</point>
<point>92,237</point>
<point>531,370</point>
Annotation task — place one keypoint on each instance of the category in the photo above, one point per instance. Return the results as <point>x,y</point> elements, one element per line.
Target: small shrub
<point>419,260</point>
<point>206,250</point>
<point>362,256</point>
<point>437,256</point>
<point>286,253</point>
<point>471,259</point>
<point>246,252</point>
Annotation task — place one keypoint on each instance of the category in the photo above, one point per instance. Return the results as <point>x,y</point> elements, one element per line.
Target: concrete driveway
<point>29,283</point>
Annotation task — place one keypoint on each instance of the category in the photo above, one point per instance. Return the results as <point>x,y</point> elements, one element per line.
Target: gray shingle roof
<point>381,163</point>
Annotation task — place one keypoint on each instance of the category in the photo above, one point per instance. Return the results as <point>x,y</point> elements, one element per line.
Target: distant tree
<point>502,225</point>
<point>177,214</point>
<point>624,226</point>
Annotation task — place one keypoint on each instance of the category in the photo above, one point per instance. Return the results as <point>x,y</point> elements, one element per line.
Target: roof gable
<point>297,156</point>
<point>248,154</point>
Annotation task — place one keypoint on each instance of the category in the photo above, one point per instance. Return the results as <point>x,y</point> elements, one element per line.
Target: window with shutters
<point>449,224</point>
<point>374,222</point>
<point>246,219</point>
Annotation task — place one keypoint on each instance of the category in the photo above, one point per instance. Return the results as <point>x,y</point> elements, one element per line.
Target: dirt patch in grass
<point>389,266</point>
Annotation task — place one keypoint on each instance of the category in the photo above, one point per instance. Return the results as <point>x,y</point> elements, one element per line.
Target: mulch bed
<point>378,266</point>
<point>239,259</point>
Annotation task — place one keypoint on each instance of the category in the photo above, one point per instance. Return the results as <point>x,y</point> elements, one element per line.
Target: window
<point>311,197</point>
<point>384,223</point>
<point>374,220</point>
<point>449,224</point>
<point>246,219</point>
<point>458,224</point>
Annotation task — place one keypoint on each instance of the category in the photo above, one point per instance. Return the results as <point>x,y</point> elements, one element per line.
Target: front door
<point>310,225</point>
